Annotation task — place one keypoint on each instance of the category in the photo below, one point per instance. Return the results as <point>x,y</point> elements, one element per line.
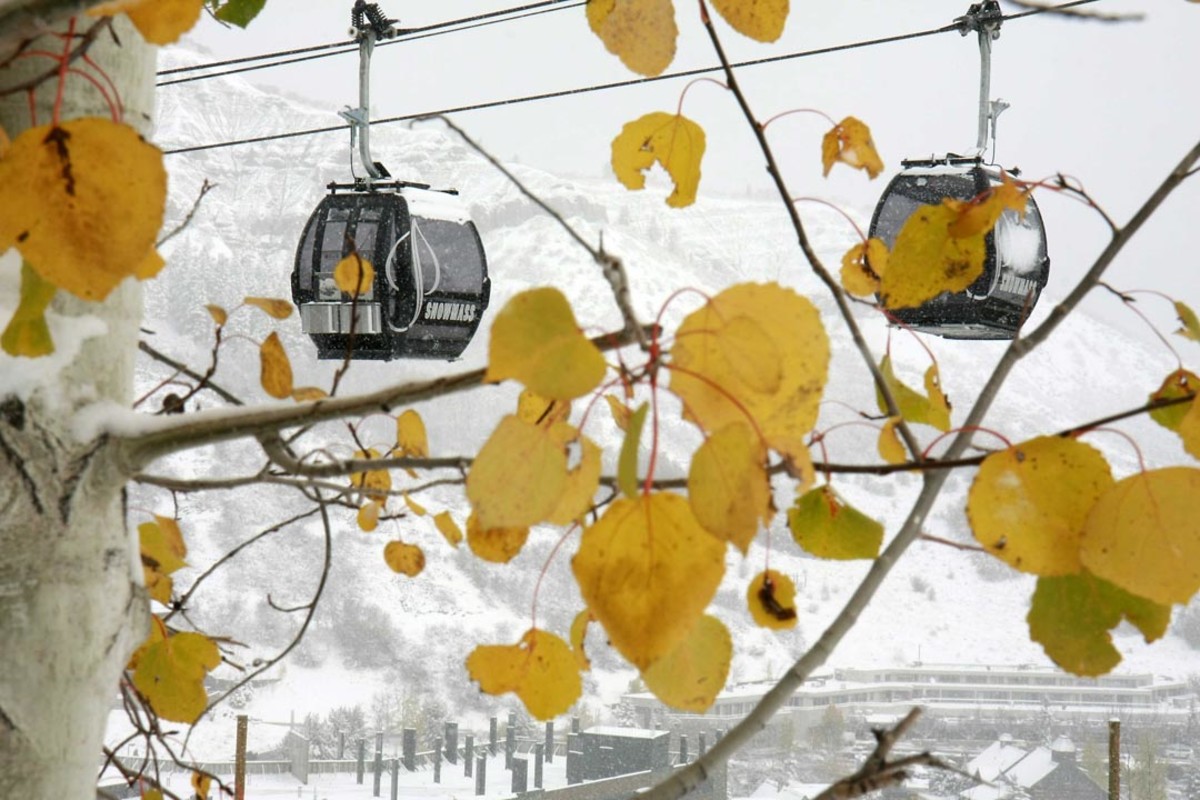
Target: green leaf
<point>828,528</point>
<point>27,333</point>
<point>240,12</point>
<point>1071,617</point>
<point>627,466</point>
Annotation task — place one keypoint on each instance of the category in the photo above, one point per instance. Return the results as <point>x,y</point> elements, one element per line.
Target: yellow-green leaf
<point>276,375</point>
<point>1191,325</point>
<point>641,33</point>
<point>307,394</point>
<point>1180,383</point>
<point>825,526</point>
<point>498,545</point>
<point>620,412</point>
<point>448,528</point>
<point>1143,534</point>
<point>240,12</point>
<point>671,140</point>
<point>1028,503</point>
<point>27,333</point>
<point>170,675</point>
<point>218,314</point>
<point>536,341</point>
<point>647,570</point>
<point>82,202</point>
<point>913,406</point>
<point>850,143</point>
<point>772,600</point>
<point>1071,617</point>
<point>162,552</point>
<point>354,275</point>
<point>201,783</point>
<point>519,476</point>
<point>728,486</point>
<point>891,449</point>
<point>716,392</point>
<point>271,306</point>
<point>579,628</point>
<point>762,20</point>
<point>538,410</point>
<point>627,463</point>
<point>406,559</point>
<point>690,677</point>
<point>541,669</point>
<point>927,260</point>
<point>159,21</point>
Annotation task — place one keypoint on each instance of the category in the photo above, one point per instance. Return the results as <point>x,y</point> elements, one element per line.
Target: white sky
<point>1112,105</point>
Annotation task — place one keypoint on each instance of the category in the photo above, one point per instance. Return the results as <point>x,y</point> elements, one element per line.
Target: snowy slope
<point>941,605</point>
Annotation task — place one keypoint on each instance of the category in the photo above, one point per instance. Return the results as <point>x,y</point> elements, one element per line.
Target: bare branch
<point>205,189</point>
<point>1075,13</point>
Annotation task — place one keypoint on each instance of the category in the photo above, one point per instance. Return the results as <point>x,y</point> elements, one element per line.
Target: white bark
<point>71,605</point>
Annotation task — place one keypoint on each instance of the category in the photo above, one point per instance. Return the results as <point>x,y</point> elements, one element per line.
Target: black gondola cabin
<point>431,283</point>
<point>1016,267</point>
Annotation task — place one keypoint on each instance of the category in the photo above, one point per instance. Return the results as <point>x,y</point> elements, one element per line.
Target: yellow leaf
<point>448,528</point>
<point>672,140</point>
<point>641,33</point>
<point>27,333</point>
<point>541,670</point>
<point>152,794</point>
<point>276,374</point>
<point>862,267</point>
<point>158,633</point>
<point>354,275</point>
<point>162,554</point>
<point>170,675</point>
<point>620,412</point>
<point>368,516</point>
<point>308,394</point>
<point>538,410</point>
<point>218,314</point>
<point>772,600</point>
<point>201,783</point>
<point>376,483</point>
<point>1180,383</point>
<point>149,266</point>
<point>579,628</point>
<point>691,676</point>
<point>1071,617</point>
<point>1189,429</point>
<point>1028,504</point>
<point>978,216</point>
<point>5,142</point>
<point>407,559</point>
<point>914,406</point>
<point>627,462</point>
<point>536,341</point>
<point>716,393</point>
<point>647,570</point>
<point>927,260</point>
<point>762,20</point>
<point>82,202</point>
<point>891,449</point>
<point>274,307</point>
<point>172,536</point>
<point>1143,534</point>
<point>159,21</point>
<point>828,528</point>
<point>582,482</point>
<point>728,486</point>
<point>519,476</point>
<point>411,438</point>
<point>498,545</point>
<point>414,506</point>
<point>850,142</point>
<point>1191,325</point>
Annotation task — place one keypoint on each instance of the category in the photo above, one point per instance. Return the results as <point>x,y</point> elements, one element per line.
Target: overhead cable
<point>338,48</point>
<point>951,28</point>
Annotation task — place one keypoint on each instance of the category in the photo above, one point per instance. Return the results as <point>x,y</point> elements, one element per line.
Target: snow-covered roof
<point>993,761</point>
<point>1032,768</point>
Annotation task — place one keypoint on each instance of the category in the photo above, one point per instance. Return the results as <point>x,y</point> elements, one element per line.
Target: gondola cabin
<point>431,282</point>
<point>1016,267</point>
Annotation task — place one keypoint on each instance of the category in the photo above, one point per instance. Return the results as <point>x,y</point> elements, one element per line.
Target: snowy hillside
<point>940,605</point>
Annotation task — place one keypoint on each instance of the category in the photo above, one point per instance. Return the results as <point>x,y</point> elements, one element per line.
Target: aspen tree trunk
<point>72,607</point>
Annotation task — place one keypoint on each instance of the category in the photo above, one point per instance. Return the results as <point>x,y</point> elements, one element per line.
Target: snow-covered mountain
<point>940,605</point>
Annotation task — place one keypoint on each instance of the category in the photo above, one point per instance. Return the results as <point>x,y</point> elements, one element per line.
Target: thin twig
<point>205,189</point>
<point>1075,13</point>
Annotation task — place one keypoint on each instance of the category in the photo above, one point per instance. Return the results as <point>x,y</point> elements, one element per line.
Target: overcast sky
<point>1113,105</point>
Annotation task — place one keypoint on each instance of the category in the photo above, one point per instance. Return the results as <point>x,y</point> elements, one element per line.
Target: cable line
<point>405,35</point>
<point>953,27</point>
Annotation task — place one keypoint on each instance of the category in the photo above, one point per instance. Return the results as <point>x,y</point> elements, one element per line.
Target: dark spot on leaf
<point>58,137</point>
<point>22,236</point>
<point>766,596</point>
